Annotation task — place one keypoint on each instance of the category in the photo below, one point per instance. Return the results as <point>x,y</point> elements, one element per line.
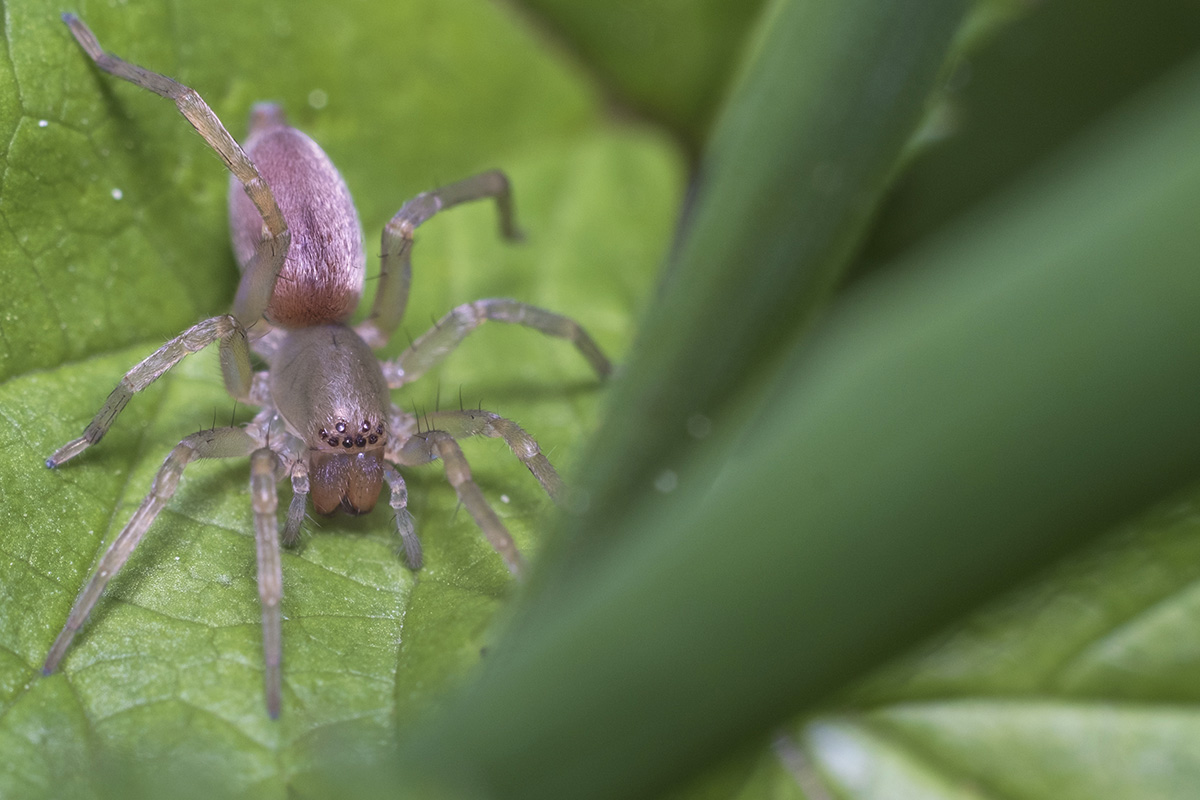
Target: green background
<point>928,326</point>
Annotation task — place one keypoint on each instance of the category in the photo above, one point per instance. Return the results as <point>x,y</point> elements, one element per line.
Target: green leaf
<point>670,59</point>
<point>797,166</point>
<point>1013,386</point>
<point>1085,679</point>
<point>115,239</point>
<point>1043,81</point>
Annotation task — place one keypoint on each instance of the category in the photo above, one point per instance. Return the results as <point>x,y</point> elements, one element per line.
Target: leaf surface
<point>115,239</point>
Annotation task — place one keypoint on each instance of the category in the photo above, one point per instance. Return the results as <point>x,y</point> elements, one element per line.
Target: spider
<point>326,417</point>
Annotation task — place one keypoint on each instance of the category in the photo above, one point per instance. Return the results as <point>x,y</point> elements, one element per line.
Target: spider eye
<point>348,481</point>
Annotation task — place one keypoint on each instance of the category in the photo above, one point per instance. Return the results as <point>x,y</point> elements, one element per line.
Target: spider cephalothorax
<point>326,418</point>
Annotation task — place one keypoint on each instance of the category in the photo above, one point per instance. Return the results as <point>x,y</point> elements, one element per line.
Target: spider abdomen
<point>322,277</point>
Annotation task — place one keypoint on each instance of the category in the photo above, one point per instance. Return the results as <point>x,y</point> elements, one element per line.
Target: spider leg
<point>438,342</point>
<point>298,506</point>
<point>218,443</point>
<point>409,542</point>
<point>426,446</point>
<point>263,464</point>
<point>395,274</point>
<point>471,422</point>
<point>235,365</point>
<point>258,280</point>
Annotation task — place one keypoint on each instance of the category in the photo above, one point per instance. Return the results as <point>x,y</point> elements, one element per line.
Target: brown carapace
<point>326,419</point>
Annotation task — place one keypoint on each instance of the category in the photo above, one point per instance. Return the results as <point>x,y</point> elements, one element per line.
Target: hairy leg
<point>235,365</point>
<point>218,443</point>
<point>439,341</point>
<point>258,280</point>
<point>409,543</point>
<point>395,274</point>
<point>426,446</point>
<point>298,506</point>
<point>461,424</point>
<point>264,501</point>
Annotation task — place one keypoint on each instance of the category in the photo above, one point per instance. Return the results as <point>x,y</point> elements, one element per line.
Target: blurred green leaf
<point>671,60</point>
<point>1084,681</point>
<point>1015,386</point>
<point>797,165</point>
<point>1042,81</point>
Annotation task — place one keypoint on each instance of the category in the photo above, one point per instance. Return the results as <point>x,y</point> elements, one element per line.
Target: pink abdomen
<point>321,280</point>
